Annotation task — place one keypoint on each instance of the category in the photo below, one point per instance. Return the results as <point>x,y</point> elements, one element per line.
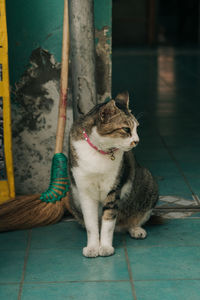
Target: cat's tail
<point>29,211</point>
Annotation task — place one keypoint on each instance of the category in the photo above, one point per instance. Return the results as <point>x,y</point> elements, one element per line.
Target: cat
<point>109,189</point>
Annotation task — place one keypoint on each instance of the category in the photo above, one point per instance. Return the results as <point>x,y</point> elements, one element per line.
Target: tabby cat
<point>109,189</point>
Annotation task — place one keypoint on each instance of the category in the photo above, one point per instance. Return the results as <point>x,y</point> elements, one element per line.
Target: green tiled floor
<point>79,291</point>
<point>47,263</point>
<point>74,267</point>
<point>168,290</point>
<point>52,266</point>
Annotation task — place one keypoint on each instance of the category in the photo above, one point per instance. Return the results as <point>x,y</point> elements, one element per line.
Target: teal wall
<point>38,23</point>
<point>103,14</point>
<point>32,24</point>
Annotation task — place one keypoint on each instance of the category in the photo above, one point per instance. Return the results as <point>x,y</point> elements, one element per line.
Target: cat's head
<point>116,125</point>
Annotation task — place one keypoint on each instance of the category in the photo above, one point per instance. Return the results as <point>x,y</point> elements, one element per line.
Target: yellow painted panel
<point>7,189</point>
<point>4,188</point>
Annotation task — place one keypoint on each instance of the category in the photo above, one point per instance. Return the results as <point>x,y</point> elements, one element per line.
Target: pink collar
<point>111,152</point>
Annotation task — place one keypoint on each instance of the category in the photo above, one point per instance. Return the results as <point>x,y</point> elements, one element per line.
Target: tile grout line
<point>129,271</point>
<point>25,264</point>
<point>167,279</point>
<point>74,281</point>
<point>97,281</point>
<point>165,246</point>
<point>178,167</point>
<point>151,246</point>
<point>55,248</point>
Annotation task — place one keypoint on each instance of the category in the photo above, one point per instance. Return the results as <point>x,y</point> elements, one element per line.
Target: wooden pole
<point>63,82</point>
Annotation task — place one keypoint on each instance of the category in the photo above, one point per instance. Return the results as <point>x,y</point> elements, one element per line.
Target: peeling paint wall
<point>34,122</point>
<point>35,41</point>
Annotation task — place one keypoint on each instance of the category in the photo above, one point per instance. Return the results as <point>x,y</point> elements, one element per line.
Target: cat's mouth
<point>131,146</point>
<point>134,144</point>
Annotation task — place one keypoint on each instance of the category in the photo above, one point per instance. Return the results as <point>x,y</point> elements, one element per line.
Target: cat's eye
<point>126,129</point>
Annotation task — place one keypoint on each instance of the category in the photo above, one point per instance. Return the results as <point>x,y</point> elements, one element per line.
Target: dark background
<point>155,22</point>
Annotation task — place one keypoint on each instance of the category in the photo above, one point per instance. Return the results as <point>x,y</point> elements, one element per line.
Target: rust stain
<point>64,99</point>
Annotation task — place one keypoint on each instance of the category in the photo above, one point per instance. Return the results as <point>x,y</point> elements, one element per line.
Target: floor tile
<point>61,235</point>
<point>174,185</point>
<point>154,154</point>
<point>150,141</point>
<point>79,291</point>
<point>195,184</point>
<point>9,291</point>
<point>64,235</point>
<point>158,263</point>
<point>170,233</point>
<point>60,265</point>
<point>190,168</point>
<point>161,168</point>
<point>15,240</point>
<point>179,140</point>
<point>168,290</point>
<point>186,154</point>
<point>11,266</point>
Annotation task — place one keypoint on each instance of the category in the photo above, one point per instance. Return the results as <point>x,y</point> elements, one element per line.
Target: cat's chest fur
<point>95,173</point>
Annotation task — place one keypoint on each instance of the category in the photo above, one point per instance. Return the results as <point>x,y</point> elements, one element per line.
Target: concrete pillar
<point>82,48</point>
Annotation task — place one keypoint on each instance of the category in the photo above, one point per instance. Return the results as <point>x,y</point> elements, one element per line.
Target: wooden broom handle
<point>63,82</point>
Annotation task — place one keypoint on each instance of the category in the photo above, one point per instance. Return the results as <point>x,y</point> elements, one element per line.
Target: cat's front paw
<point>91,251</point>
<point>106,250</point>
<point>137,233</point>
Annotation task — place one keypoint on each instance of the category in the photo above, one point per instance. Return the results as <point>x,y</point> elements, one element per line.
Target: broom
<point>25,212</point>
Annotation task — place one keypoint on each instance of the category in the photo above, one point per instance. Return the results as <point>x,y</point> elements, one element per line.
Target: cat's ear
<point>122,100</point>
<point>107,111</point>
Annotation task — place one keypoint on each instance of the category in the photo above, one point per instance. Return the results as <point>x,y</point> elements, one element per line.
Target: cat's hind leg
<point>134,225</point>
<point>137,232</point>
